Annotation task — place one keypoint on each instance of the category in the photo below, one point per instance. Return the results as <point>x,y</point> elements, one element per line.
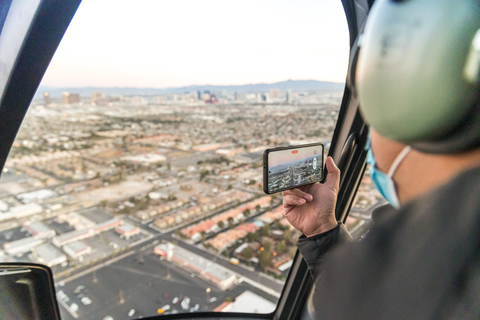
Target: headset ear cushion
<point>463,138</point>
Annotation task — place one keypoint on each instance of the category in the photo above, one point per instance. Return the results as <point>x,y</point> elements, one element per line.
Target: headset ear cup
<point>465,137</point>
<point>410,77</point>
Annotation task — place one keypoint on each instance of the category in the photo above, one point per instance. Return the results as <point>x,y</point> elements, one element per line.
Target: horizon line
<point>191,85</point>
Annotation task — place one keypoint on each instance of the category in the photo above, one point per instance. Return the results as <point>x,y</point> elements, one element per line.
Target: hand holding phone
<point>311,208</point>
<point>291,167</point>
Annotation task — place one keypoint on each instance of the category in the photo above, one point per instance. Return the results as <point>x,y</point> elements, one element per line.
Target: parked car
<point>86,301</point>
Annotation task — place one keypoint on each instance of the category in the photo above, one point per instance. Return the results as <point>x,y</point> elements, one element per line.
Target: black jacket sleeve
<point>313,249</point>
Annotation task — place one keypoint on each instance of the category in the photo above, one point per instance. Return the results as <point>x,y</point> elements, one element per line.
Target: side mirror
<point>27,291</point>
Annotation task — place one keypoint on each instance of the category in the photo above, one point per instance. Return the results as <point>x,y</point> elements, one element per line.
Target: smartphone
<point>291,167</point>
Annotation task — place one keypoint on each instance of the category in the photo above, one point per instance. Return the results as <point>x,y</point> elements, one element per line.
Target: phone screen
<point>293,167</point>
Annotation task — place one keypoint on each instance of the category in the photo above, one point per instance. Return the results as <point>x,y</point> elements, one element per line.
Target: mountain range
<point>294,85</point>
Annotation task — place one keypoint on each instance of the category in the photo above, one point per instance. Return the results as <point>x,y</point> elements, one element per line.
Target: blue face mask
<point>384,182</point>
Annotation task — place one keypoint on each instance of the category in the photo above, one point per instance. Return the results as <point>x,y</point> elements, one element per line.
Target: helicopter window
<point>137,171</point>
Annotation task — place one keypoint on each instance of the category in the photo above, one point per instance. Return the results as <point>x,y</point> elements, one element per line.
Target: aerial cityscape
<point>146,204</point>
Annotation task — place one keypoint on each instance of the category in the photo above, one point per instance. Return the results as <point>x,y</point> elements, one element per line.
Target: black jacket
<point>423,262</point>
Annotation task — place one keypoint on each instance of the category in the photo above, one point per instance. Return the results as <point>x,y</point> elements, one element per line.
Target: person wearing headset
<point>417,81</point>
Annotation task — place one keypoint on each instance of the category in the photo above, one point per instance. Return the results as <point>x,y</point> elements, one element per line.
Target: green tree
<point>231,223</point>
<point>258,208</point>
<point>264,259</point>
<point>221,224</point>
<point>267,245</point>
<point>252,237</point>
<point>287,235</point>
<point>278,225</point>
<point>265,230</point>
<point>246,212</point>
<point>247,253</point>
<point>281,247</point>
<point>203,174</point>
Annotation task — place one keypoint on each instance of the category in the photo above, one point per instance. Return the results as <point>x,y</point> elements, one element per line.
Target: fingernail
<point>301,201</point>
<point>309,197</point>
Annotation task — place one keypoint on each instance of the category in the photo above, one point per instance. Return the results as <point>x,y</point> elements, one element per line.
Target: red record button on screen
<point>294,151</point>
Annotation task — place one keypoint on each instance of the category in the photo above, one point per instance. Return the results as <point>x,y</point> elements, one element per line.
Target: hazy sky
<point>160,43</point>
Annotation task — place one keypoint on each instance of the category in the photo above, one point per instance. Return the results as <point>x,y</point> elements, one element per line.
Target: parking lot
<point>144,283</point>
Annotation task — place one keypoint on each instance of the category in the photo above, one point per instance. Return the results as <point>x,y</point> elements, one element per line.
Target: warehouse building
<point>209,270</point>
<point>49,255</point>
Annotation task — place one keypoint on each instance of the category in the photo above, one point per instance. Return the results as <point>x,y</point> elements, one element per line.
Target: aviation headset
<point>417,73</point>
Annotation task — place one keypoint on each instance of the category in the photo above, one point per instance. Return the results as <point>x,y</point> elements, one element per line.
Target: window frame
<point>45,33</point>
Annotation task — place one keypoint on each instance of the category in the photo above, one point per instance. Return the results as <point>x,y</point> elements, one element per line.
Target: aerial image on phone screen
<point>288,169</point>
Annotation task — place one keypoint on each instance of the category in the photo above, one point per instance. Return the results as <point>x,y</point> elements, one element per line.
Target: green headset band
<point>415,70</point>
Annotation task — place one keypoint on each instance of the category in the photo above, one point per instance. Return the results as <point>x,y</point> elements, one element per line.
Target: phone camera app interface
<point>294,167</point>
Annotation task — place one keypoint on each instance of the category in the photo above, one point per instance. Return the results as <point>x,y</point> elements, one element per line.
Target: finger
<point>302,194</point>
<point>292,200</point>
<point>333,176</point>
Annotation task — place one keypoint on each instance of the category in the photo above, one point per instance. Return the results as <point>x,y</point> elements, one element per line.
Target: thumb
<point>333,177</point>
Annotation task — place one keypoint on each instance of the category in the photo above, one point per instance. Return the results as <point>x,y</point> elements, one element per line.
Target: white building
<point>39,230</point>
<point>37,195</point>
<point>77,235</point>
<point>248,302</point>
<point>48,255</point>
<point>3,206</point>
<point>21,246</point>
<point>21,211</point>
<point>127,230</point>
<point>77,249</point>
<point>72,236</point>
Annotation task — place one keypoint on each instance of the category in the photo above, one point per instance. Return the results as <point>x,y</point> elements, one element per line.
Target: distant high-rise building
<point>274,94</point>
<point>98,98</point>
<point>199,95</point>
<point>289,96</point>
<point>70,98</point>
<point>240,96</point>
<point>46,97</point>
<point>265,97</point>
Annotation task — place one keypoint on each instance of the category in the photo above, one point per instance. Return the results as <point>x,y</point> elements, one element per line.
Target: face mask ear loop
<point>398,160</point>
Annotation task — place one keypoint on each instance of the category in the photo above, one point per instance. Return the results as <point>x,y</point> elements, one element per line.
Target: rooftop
<point>77,246</point>
<point>248,302</point>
